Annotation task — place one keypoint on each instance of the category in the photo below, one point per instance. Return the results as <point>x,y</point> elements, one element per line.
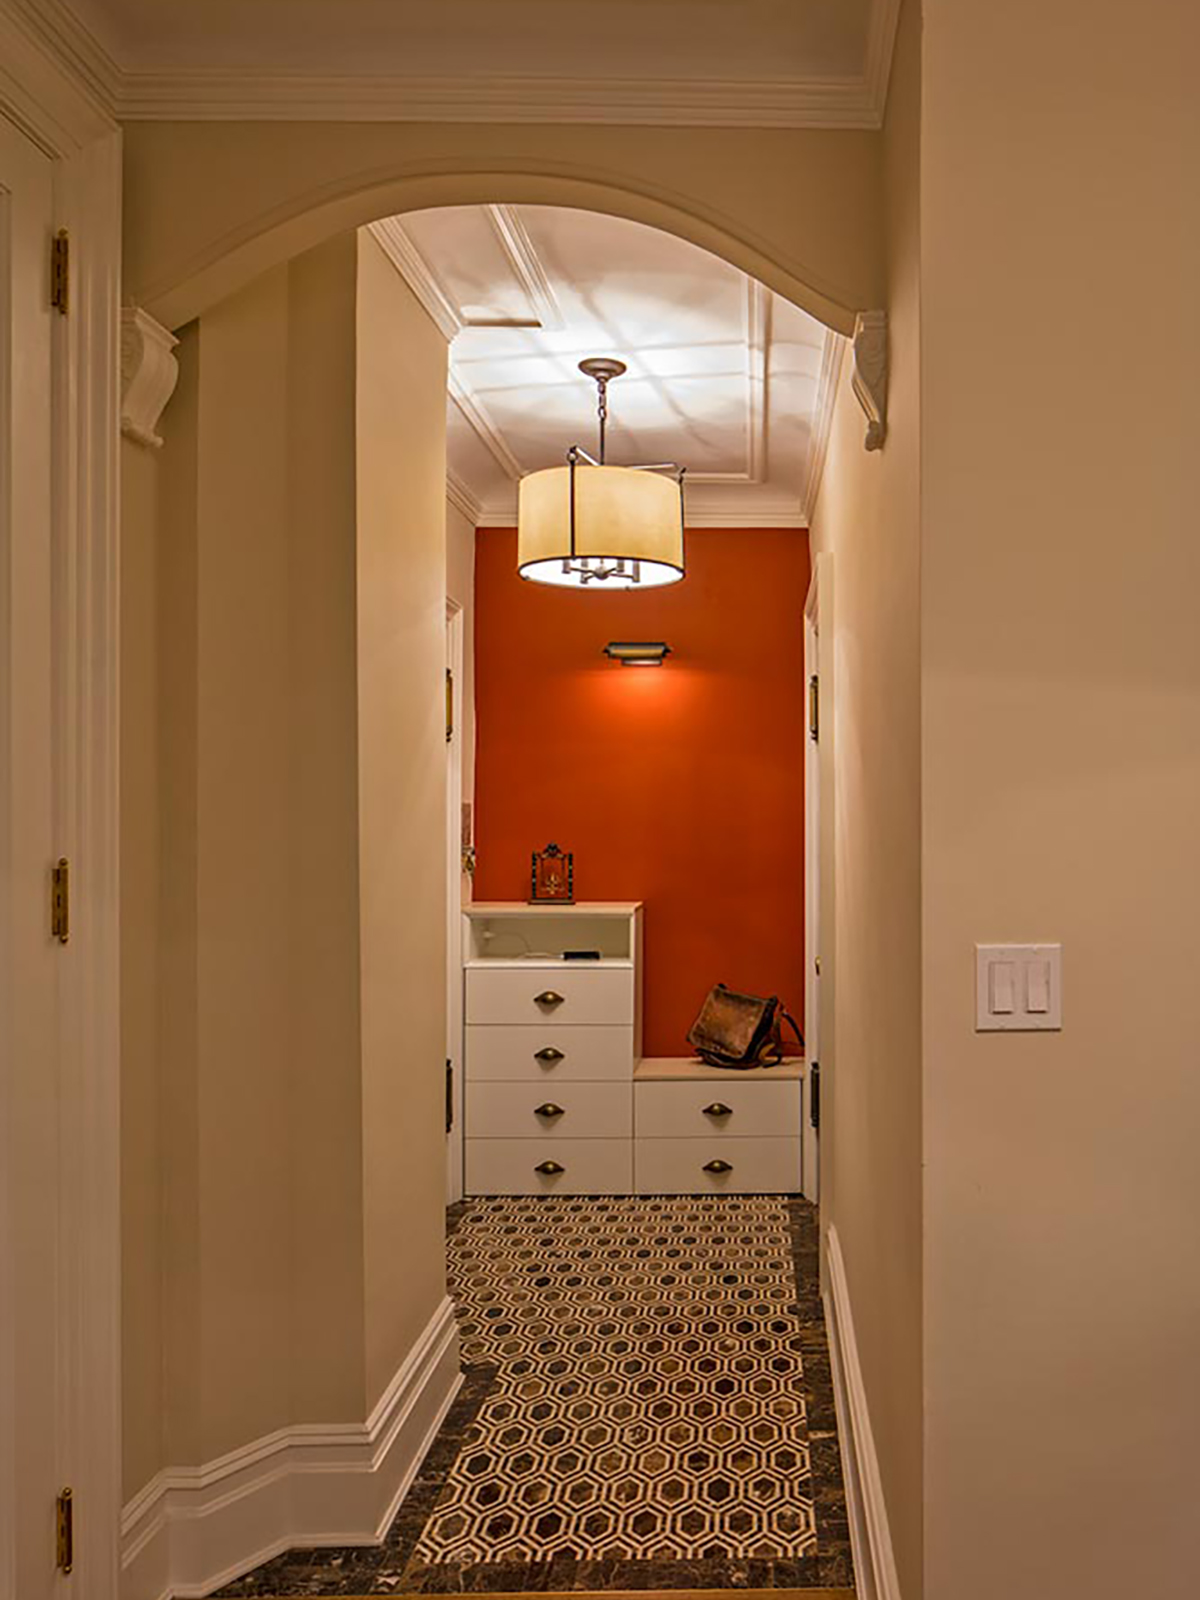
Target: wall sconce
<point>637,654</point>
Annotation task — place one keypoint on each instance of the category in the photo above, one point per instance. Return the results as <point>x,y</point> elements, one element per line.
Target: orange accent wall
<point>682,786</point>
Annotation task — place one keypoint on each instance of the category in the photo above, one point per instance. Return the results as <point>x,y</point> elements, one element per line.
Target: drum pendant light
<point>591,525</point>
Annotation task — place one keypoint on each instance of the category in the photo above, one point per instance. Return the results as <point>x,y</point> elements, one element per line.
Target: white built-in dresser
<point>550,1047</point>
<point>558,1097</point>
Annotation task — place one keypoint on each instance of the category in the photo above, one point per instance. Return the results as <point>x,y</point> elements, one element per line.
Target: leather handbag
<point>741,1030</point>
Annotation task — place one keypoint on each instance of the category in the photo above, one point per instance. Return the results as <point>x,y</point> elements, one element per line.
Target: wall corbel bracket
<point>869,373</point>
<point>149,372</point>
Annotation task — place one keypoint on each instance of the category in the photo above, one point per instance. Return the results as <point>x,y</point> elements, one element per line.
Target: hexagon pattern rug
<point>649,1402</point>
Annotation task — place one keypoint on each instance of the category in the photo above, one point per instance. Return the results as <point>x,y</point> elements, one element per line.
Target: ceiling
<point>765,63</point>
<point>724,377</point>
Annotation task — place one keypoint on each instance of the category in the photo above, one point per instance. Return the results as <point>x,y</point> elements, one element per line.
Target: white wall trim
<point>202,94</point>
<point>393,239</point>
<point>822,423</point>
<point>881,42</point>
<point>149,373</point>
<point>484,428</point>
<point>461,498</point>
<point>193,1528</point>
<point>875,1572</point>
<point>46,91</point>
<point>753,516</point>
<point>214,94</point>
<point>526,265</point>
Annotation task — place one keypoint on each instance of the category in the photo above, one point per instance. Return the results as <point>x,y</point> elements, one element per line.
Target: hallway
<point>647,1404</point>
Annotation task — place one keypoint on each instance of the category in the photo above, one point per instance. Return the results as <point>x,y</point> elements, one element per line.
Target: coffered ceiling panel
<point>724,377</point>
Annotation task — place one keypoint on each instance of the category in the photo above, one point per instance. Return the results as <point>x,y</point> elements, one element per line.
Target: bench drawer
<point>681,1166</point>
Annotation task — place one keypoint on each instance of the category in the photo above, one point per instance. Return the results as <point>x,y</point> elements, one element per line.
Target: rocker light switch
<point>1018,987</point>
<point>1001,978</point>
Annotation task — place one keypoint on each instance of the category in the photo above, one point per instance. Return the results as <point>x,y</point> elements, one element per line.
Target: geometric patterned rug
<point>647,1405</point>
<point>649,1402</point>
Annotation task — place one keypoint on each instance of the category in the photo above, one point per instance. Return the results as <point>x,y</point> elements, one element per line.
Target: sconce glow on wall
<point>637,653</point>
<point>591,524</point>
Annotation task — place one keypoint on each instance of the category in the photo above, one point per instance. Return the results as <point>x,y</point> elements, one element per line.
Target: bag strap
<point>784,1015</point>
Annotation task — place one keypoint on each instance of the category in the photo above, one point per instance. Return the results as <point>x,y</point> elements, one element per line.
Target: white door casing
<point>454,901</point>
<point>812,889</point>
<point>59,1087</point>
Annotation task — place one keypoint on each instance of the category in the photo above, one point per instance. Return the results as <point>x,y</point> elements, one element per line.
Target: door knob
<point>549,1110</point>
<point>718,1109</point>
<point>718,1166</point>
<point>550,1056</point>
<point>550,1168</point>
<point>548,997</point>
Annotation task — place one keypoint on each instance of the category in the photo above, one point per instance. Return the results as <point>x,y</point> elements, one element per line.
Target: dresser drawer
<point>716,1111</point>
<point>529,1111</point>
<point>511,1053</point>
<point>574,994</point>
<point>509,1166</point>
<point>678,1166</point>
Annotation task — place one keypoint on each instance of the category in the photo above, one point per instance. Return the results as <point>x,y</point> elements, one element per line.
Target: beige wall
<point>284,580</point>
<point>867,522</point>
<point>401,496</point>
<point>798,208</point>
<point>1061,783</point>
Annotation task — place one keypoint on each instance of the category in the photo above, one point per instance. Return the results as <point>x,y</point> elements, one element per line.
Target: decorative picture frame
<point>552,878</point>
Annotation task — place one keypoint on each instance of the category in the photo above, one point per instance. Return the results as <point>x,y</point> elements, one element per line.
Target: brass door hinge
<point>64,1539</point>
<point>60,900</point>
<point>449,705</point>
<point>60,272</point>
<point>814,709</point>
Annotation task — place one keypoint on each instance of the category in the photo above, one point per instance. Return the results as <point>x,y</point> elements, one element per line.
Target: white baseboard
<point>874,1561</point>
<point>193,1528</point>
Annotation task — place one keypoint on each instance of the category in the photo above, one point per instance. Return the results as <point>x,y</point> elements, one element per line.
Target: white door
<point>36,1433</point>
<point>810,1140</point>
<point>454,902</point>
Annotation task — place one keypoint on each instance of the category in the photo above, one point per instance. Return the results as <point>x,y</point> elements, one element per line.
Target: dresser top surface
<point>552,908</point>
<point>546,963</point>
<point>676,1069</point>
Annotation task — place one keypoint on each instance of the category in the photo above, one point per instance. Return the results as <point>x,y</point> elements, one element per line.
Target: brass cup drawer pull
<point>550,1168</point>
<point>548,997</point>
<point>549,1057</point>
<point>718,1109</point>
<point>718,1166</point>
<point>549,1110</point>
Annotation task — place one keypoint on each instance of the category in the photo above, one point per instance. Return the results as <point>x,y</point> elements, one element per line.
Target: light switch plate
<point>1018,988</point>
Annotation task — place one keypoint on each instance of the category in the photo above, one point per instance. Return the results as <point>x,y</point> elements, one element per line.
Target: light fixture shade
<point>609,527</point>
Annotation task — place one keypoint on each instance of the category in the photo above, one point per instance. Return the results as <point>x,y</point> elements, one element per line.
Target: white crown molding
<point>526,265</point>
<point>124,90</point>
<point>191,1529</point>
<point>59,31</point>
<point>881,42</point>
<point>869,373</point>
<point>832,355</point>
<point>758,342</point>
<point>393,239</point>
<point>222,95</point>
<point>48,85</point>
<point>462,499</point>
<point>875,1571</point>
<point>486,430</point>
<point>734,512</point>
<point>751,516</point>
<point>149,373</point>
